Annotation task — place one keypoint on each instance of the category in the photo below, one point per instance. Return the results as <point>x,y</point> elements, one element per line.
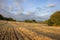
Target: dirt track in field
<point>27,31</point>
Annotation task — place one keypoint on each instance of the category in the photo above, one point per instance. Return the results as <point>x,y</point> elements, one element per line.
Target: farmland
<point>10,30</point>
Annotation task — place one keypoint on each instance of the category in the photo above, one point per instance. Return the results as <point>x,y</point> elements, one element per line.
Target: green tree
<point>55,18</point>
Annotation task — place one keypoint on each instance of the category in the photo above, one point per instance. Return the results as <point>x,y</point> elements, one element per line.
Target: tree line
<point>30,21</point>
<point>5,18</point>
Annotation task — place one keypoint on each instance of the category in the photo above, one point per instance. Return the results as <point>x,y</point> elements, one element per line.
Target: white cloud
<point>18,14</point>
<point>51,5</point>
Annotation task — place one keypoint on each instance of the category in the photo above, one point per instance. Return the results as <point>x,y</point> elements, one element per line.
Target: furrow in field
<point>25,37</point>
<point>30,32</point>
<point>19,34</point>
<point>3,30</point>
<point>9,35</point>
<point>33,35</point>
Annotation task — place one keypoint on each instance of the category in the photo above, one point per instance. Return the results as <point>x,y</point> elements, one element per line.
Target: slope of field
<point>27,31</point>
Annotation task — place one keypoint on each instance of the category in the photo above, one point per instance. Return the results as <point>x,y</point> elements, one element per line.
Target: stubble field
<point>27,31</point>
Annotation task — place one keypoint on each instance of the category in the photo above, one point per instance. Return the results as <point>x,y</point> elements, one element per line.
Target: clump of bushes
<point>30,21</point>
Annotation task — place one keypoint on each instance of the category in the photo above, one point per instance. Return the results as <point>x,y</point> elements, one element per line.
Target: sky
<point>29,9</point>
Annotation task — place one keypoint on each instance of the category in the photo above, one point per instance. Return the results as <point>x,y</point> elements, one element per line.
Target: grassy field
<point>10,30</point>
